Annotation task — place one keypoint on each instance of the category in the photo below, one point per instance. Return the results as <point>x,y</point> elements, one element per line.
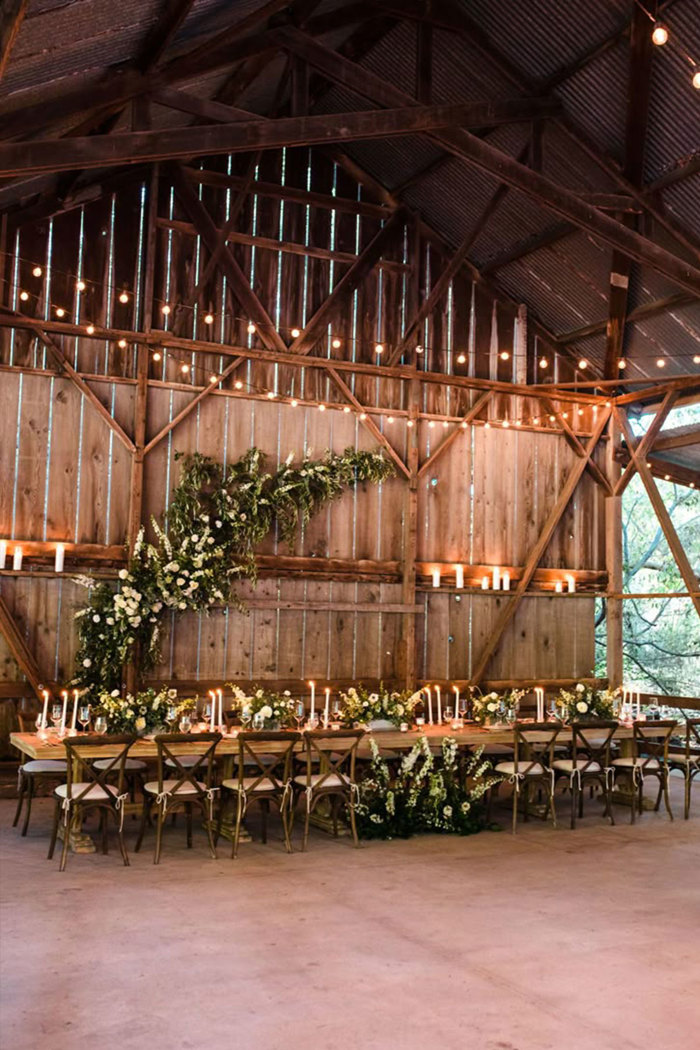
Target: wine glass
<point>100,725</point>
<point>171,716</point>
<point>299,713</point>
<point>206,712</point>
<point>447,714</point>
<point>84,716</point>
<point>56,714</point>
<point>463,707</point>
<point>246,716</point>
<point>186,723</point>
<point>258,721</point>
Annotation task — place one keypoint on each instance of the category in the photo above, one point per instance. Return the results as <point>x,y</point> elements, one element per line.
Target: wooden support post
<point>614,624</point>
<point>407,652</point>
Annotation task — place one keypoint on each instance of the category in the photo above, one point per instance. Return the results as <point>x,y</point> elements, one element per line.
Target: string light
<point>124,298</point>
<point>165,309</point>
<point>90,329</point>
<point>322,408</point>
<point>622,363</point>
<point>461,359</point>
<point>184,369</point>
<point>504,355</point>
<point>696,359</point>
<point>378,348</point>
<point>251,328</point>
<point>506,424</point>
<point>37,271</point>
<point>431,424</point>
<point>390,419</point>
<point>294,402</point>
<point>209,319</point>
<point>213,379</point>
<point>24,296</point>
<point>487,425</point>
<point>583,363</point>
<point>60,312</point>
<point>409,423</point>
<point>419,349</point>
<point>295,333</point>
<point>346,409</point>
<point>659,35</point>
<point>445,423</point>
<point>272,395</point>
<point>122,344</point>
<point>660,363</point>
<point>81,286</point>
<point>696,79</point>
<point>363,416</point>
<point>238,385</point>
<point>543,362</point>
<point>156,356</point>
<point>336,344</point>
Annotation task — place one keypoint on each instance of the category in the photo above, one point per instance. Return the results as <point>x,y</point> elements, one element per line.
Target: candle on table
<point>506,581</point>
<point>75,709</point>
<point>46,708</point>
<point>539,694</point>
<point>455,690</point>
<point>484,583</point>
<point>327,706</point>
<point>496,579</point>
<point>312,687</point>
<point>64,694</point>
<point>3,553</point>
<point>212,720</point>
<point>430,704</point>
<point>60,556</point>
<point>221,706</point>
<point>17,559</point>
<point>459,577</point>
<point>439,705</point>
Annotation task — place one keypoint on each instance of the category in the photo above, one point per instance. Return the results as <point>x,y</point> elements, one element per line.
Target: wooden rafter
<point>173,13</point>
<point>574,442</point>
<point>368,422</point>
<point>19,649</point>
<point>509,609</point>
<point>442,448</point>
<point>653,309</point>
<point>12,14</point>
<point>645,443</point>
<point>676,547</point>
<point>679,437</point>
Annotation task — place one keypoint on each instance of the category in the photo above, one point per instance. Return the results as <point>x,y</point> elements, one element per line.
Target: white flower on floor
<point>123,574</point>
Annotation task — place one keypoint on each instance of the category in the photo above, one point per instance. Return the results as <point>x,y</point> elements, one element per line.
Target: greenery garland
<point>216,518</point>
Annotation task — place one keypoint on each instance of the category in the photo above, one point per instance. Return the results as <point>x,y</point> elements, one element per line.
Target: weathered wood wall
<point>64,475</point>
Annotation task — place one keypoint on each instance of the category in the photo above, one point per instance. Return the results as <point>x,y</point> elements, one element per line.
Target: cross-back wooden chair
<point>184,786</point>
<point>589,764</point>
<point>688,759</point>
<point>649,758</point>
<point>94,790</point>
<point>330,773</point>
<point>532,765</point>
<point>35,771</point>
<point>264,776</point>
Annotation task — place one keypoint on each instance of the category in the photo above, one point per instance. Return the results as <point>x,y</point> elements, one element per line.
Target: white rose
<point>266,711</point>
<point>447,810</point>
<point>492,707</point>
<point>493,696</point>
<point>286,693</point>
<point>182,605</point>
<point>210,540</point>
<point>123,574</point>
<point>180,582</point>
<point>140,724</point>
<point>218,524</point>
<point>87,662</point>
<point>110,621</point>
<point>195,539</point>
<point>580,688</point>
<point>129,713</point>
<point>582,707</point>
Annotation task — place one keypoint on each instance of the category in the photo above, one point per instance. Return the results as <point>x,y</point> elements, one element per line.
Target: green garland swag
<point>216,518</point>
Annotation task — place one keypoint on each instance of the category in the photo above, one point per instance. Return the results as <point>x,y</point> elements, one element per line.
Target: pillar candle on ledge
<point>3,553</point>
<point>496,575</point>
<point>436,577</point>
<point>17,559</point>
<point>558,587</point>
<point>60,557</point>
<point>484,583</point>
<point>571,584</point>
<point>312,687</point>
<point>459,577</point>
<point>505,581</point>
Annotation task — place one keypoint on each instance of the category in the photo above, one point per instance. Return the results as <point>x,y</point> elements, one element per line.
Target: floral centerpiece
<point>361,706</point>
<point>143,713</point>
<point>584,703</point>
<point>494,708</point>
<point>426,794</point>
<point>276,709</point>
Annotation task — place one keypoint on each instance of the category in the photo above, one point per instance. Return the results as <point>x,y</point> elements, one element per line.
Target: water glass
<point>185,724</point>
<point>258,721</point>
<point>447,714</point>
<point>56,714</point>
<point>100,725</point>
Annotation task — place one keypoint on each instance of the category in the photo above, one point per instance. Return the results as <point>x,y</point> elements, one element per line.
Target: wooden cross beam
<point>509,609</point>
<point>173,13</point>
<point>473,412</point>
<point>676,547</point>
<point>476,152</point>
<point>12,14</point>
<point>659,306</point>
<point>573,441</point>
<point>643,446</point>
<point>25,659</point>
<point>369,423</point>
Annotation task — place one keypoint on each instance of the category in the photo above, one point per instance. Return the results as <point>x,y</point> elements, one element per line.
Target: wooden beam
<point>509,609</point>
<point>173,13</point>
<point>368,422</point>
<point>12,14</point>
<point>473,412</point>
<point>679,437</point>
<point>532,243</point>
<point>347,284</point>
<point>614,624</point>
<point>480,154</point>
<point>683,169</point>
<point>407,644</point>
<point>24,659</point>
<point>207,110</point>
<point>645,443</point>
<point>573,442</point>
<point>676,547</point>
<point>659,306</point>
<point>98,151</point>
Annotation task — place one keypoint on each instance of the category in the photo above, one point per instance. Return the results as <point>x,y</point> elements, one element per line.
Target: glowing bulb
<point>363,415</point>
<point>295,333</point>
<point>37,271</point>
<point>184,369</point>
<point>378,348</point>
<point>322,408</point>
<point>156,356</point>
<point>543,362</point>
<point>504,355</point>
<point>213,379</point>
<point>565,415</point>
<point>90,329</point>
<point>24,296</point>
<point>622,363</point>
<point>346,408</point>
<point>238,385</point>
<point>506,424</point>
<point>419,349</point>
<point>461,359</point>
<point>435,573</point>
<point>123,298</point>
<point>60,312</point>
<point>272,395</point>
<point>552,419</point>
<point>209,318</point>
<point>122,343</point>
<point>431,424</point>
<point>335,343</point>
<point>696,359</point>
<point>487,425</point>
<point>80,286</point>
<point>667,477</point>
<point>251,328</point>
<point>696,79</point>
<point>659,35</point>
<point>583,363</point>
<point>294,402</point>
<point>445,423</point>
<point>409,423</point>
<point>580,411</point>
<point>165,309</point>
<point>390,419</point>
<point>660,363</point>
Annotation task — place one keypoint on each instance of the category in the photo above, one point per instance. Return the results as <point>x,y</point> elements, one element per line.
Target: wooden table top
<point>393,739</point>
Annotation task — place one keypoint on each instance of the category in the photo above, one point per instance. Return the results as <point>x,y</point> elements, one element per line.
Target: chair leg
<point>515,805</point>
<point>20,798</point>
<point>353,822</point>
<point>210,832</point>
<point>237,828</point>
<point>688,781</point>
<point>265,812</point>
<point>573,805</point>
<point>54,829</point>
<point>286,816</point>
<point>159,835</point>
<point>145,816</point>
<point>667,798</point>
<point>188,823</point>
<point>120,836</point>
<point>66,840</point>
<point>307,821</point>
<point>30,796</point>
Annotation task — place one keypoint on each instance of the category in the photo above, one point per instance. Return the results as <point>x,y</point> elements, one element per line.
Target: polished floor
<point>550,939</point>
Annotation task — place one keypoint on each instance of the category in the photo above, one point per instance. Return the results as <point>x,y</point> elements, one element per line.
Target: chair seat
<point>94,794</point>
<point>630,762</point>
<point>44,765</point>
<point>497,749</point>
<point>685,760</point>
<point>186,761</point>
<point>263,784</point>
<point>169,786</point>
<point>132,765</point>
<point>509,768</point>
<point>566,765</point>
<point>330,780</point>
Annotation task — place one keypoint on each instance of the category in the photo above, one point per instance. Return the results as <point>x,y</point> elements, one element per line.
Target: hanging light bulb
<point>238,385</point>
<point>124,298</point>
<point>165,309</point>
<point>552,419</point>
<point>409,423</point>
<point>80,286</point>
<point>213,379</point>
<point>156,356</point>
<point>696,359</point>
<point>60,312</point>
<point>390,419</point>
<point>209,318</point>
<point>583,363</point>
<point>322,408</point>
<point>660,363</point>
<point>487,425</point>
<point>659,34</point>
<point>37,271</point>
<point>294,402</point>
<point>419,349</point>
<point>271,395</point>
<point>696,79</point>
<point>461,359</point>
<point>335,343</point>
<point>378,348</point>
<point>622,363</point>
<point>90,329</point>
<point>504,355</point>
<point>295,333</point>
<point>122,344</point>
<point>184,369</point>
<point>431,424</point>
<point>24,296</point>
<point>251,328</point>
<point>506,424</point>
<point>346,408</point>
<point>543,362</point>
<point>565,415</point>
<point>363,416</point>
<point>580,411</point>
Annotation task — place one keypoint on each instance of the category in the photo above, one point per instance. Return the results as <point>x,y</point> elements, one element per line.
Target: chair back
<point>336,751</point>
<point>591,743</point>
<point>692,738</point>
<point>175,746</point>
<point>27,714</point>
<point>651,740</point>
<point>533,744</point>
<point>270,756</point>
<point>87,749</point>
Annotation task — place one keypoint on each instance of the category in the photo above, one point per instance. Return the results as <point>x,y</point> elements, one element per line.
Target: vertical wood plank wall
<point>64,475</point>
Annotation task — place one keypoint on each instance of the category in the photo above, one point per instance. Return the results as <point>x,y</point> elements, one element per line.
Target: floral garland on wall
<point>217,516</point>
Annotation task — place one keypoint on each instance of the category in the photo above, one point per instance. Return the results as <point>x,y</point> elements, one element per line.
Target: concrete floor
<point>552,939</point>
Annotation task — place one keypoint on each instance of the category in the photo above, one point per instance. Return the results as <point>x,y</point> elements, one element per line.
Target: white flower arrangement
<point>495,707</point>
<point>140,713</point>
<point>584,702</point>
<point>275,708</point>
<point>358,705</point>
